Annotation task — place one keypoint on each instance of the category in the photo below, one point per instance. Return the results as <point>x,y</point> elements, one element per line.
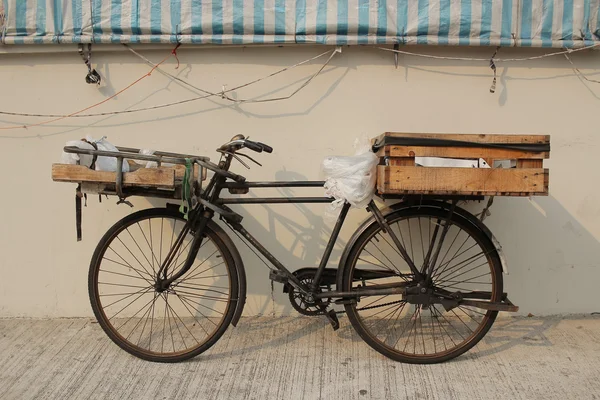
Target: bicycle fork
<point>198,222</point>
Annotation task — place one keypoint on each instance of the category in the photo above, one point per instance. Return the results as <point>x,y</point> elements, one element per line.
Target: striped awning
<point>537,23</point>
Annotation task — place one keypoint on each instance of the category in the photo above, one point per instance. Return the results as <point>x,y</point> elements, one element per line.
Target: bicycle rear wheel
<point>423,333</point>
<point>171,325</point>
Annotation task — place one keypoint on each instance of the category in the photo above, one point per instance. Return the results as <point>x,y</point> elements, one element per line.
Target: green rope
<point>186,190</point>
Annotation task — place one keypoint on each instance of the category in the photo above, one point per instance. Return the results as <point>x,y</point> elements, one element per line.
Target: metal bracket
<point>119,183</point>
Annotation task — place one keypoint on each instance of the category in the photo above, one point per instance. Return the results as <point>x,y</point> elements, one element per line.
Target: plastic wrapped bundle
<point>350,178</point>
<point>102,163</point>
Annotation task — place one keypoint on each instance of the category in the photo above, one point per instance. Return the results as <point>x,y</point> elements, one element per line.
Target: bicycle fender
<point>241,271</point>
<point>386,212</point>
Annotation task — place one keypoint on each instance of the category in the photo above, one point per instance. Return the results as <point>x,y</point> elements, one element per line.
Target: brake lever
<point>236,157</point>
<point>250,158</point>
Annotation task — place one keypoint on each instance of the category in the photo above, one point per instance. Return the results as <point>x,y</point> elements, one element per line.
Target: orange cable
<point>173,52</point>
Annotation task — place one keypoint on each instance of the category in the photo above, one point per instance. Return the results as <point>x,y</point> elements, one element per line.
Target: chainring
<point>299,301</point>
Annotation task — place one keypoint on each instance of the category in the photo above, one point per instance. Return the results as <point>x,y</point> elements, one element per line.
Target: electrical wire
<point>222,94</point>
<point>59,118</point>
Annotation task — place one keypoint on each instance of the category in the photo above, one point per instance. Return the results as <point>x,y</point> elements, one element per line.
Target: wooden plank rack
<point>399,174</point>
<point>164,181</point>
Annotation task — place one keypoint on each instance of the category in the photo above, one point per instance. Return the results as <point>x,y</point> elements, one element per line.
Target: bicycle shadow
<point>265,327</point>
<point>297,236</point>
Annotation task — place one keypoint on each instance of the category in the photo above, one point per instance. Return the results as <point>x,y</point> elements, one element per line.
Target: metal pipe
<point>327,253</point>
<point>274,200</point>
<point>273,184</point>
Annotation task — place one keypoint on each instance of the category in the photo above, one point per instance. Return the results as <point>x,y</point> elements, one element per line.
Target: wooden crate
<point>398,174</point>
<point>164,180</point>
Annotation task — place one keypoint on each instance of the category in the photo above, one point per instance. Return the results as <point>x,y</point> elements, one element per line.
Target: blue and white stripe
<point>535,23</point>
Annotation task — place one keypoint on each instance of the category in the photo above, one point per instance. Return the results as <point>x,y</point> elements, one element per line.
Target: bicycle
<point>420,281</point>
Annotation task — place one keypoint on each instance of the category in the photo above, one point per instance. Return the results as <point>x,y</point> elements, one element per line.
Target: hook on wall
<point>92,77</point>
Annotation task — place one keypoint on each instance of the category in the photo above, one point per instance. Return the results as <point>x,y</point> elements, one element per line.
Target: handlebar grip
<point>253,146</point>
<point>266,148</point>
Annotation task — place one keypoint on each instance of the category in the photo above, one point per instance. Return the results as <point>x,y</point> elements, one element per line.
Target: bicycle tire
<point>229,302</point>
<point>464,221</point>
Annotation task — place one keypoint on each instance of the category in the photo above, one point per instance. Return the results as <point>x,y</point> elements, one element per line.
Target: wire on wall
<point>222,94</point>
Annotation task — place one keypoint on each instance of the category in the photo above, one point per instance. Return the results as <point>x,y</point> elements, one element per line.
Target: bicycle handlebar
<point>239,141</point>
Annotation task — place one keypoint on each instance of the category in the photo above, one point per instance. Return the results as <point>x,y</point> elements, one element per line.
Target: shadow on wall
<point>305,234</point>
<point>547,250</point>
<point>548,253</point>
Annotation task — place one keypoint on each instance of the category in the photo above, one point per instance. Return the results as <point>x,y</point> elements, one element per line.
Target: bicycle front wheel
<point>170,325</point>
<point>423,333</point>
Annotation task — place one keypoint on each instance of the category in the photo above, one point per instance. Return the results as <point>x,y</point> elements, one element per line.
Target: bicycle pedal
<point>277,276</point>
<point>345,301</point>
<point>333,319</point>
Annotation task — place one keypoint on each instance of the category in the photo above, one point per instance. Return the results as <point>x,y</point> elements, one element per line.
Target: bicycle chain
<point>369,307</point>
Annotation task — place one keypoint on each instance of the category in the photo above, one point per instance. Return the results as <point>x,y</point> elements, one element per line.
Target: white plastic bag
<point>74,158</point>
<point>107,163</point>
<point>147,164</point>
<point>350,178</point>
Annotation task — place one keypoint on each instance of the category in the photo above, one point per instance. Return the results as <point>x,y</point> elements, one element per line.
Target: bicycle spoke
<point>421,237</point>
<point>138,246</point>
<point>412,255</point>
<point>186,304</point>
<point>124,265</point>
<point>393,247</point>
<point>382,319</point>
<point>468,315</point>
<point>453,327</point>
<point>139,322</point>
<point>150,246</point>
<point>452,259</point>
<point>422,337</point>
<point>191,270</point>
<point>438,314</point>
<point>129,295</point>
<point>386,257</point>
<point>432,331</point>
<point>129,319</point>
<point>145,323</point>
<point>162,223</point>
<point>445,278</point>
<point>129,276</point>
<point>162,343</point>
<point>411,329</point>
<point>202,289</point>
<point>166,298</point>
<point>136,259</point>
<point>470,309</point>
<point>461,320</point>
<point>128,265</point>
<point>195,276</point>
<point>395,321</point>
<point>116,284</point>
<point>184,325</point>
<point>178,292</point>
<point>202,305</point>
<point>128,305</point>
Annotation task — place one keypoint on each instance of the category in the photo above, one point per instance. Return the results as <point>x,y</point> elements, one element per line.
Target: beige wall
<point>552,245</point>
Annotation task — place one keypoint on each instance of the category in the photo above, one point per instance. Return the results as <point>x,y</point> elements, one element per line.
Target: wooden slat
<point>180,172</point>
<point>458,152</point>
<point>462,181</point>
<point>477,138</point>
<point>529,163</point>
<point>402,161</point>
<point>160,177</point>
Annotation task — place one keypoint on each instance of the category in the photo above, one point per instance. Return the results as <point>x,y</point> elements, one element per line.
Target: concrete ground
<point>300,358</point>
